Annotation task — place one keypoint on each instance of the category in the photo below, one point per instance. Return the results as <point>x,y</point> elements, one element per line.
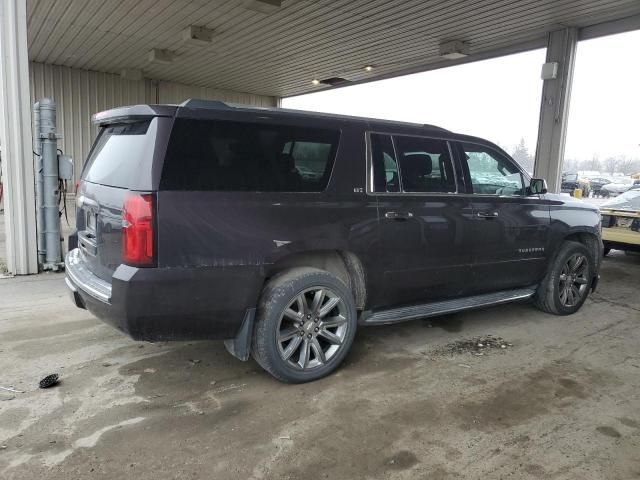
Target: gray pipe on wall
<point>37,150</point>
<point>50,182</point>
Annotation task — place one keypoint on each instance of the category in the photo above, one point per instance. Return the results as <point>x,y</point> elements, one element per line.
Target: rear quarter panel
<point>248,232</point>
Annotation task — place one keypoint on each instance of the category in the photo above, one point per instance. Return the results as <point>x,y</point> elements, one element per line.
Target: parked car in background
<point>597,183</point>
<point>617,186</point>
<point>572,181</point>
<point>621,221</point>
<point>282,231</point>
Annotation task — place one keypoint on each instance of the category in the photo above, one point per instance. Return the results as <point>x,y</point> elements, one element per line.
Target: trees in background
<point>610,165</point>
<point>628,165</point>
<point>521,155</point>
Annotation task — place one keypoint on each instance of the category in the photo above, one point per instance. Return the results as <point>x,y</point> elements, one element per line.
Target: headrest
<point>416,164</point>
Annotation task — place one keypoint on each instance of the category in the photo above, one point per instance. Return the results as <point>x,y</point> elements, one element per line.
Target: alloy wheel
<point>312,328</point>
<point>573,280</point>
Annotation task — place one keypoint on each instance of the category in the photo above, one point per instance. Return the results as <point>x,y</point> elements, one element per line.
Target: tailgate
<point>121,160</point>
<point>99,221</point>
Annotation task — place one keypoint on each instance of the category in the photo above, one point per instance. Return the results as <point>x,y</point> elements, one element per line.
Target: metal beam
<point>15,139</point>
<point>554,108</point>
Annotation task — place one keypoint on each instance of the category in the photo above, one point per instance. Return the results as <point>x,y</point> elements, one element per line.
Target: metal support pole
<point>50,183</point>
<point>37,151</point>
<point>554,109</point>
<point>15,139</point>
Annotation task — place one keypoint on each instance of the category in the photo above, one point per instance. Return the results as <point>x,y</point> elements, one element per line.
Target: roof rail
<point>435,127</point>
<point>195,103</point>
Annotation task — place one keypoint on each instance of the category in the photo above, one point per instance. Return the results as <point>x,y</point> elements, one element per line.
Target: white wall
<point>81,93</point>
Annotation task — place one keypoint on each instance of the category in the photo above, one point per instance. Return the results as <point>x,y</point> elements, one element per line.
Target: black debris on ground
<point>49,381</point>
<point>477,346</point>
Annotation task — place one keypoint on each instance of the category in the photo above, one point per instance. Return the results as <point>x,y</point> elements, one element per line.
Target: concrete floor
<point>563,402</point>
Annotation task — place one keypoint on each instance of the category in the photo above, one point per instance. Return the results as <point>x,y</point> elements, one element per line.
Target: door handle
<point>398,215</point>
<point>487,214</point>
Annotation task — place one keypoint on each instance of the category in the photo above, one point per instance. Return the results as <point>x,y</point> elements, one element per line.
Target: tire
<point>552,295</point>
<point>290,330</point>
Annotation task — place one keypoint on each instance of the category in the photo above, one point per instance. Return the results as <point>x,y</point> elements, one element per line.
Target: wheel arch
<point>345,265</point>
<point>589,240</point>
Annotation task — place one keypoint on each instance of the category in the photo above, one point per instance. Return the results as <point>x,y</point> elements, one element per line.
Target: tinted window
<point>118,152</point>
<point>425,165</point>
<point>238,156</point>
<point>385,167</point>
<point>491,173</point>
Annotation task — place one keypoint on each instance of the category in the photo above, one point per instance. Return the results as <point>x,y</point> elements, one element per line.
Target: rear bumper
<point>167,303</point>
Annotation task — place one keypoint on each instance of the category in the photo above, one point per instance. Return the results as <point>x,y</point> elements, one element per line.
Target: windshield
<point>571,177</point>
<point>627,201</point>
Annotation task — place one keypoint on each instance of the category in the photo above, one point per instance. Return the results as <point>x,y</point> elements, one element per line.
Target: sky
<point>499,99</point>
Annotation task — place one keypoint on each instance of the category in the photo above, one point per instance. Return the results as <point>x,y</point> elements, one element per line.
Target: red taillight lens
<point>137,230</point>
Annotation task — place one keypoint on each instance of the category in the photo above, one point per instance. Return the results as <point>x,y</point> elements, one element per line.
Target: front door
<point>425,227</point>
<point>511,228</point>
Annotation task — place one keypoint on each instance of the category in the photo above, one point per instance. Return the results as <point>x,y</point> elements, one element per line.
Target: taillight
<point>137,230</point>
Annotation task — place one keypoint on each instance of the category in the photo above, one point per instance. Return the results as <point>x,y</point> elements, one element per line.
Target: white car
<point>617,186</point>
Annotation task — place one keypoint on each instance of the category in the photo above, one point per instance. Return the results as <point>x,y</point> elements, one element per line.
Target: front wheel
<point>305,325</point>
<point>566,285</point>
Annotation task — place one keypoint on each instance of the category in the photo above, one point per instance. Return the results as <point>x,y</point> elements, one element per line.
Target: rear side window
<point>425,165</point>
<point>118,153</point>
<point>238,156</point>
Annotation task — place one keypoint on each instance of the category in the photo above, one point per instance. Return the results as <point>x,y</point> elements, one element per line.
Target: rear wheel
<point>566,285</point>
<point>305,325</point>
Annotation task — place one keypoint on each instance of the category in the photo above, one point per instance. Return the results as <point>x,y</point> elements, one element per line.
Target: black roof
<point>218,105</point>
<point>142,111</point>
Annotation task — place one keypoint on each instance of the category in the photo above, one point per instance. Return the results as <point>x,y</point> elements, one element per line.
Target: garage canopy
<point>278,48</point>
<point>90,55</point>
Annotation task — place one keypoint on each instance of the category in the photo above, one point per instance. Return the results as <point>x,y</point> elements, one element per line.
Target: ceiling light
<point>197,36</point>
<point>315,81</point>
<point>454,49</point>
<point>368,68</point>
<point>158,55</point>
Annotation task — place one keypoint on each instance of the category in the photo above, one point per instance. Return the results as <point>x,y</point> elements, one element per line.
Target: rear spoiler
<point>132,113</point>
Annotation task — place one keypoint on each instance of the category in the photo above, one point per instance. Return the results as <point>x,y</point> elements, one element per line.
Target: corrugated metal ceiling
<point>280,53</point>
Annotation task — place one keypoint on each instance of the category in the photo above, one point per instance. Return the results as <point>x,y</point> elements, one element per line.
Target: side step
<point>403,314</point>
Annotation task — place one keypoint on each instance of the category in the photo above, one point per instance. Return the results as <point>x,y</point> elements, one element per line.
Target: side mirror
<point>538,186</point>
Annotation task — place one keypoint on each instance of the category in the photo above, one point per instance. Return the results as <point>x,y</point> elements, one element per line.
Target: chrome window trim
<point>369,165</point>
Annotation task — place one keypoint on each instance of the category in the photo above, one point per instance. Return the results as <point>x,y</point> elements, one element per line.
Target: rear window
<point>238,156</point>
<point>118,153</point>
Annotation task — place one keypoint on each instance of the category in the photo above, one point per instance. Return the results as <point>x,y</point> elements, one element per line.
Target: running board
<point>403,314</point>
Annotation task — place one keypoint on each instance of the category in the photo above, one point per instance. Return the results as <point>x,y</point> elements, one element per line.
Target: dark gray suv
<point>282,231</point>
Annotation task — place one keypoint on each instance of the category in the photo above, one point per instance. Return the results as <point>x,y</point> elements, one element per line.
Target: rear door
<point>511,228</point>
<point>120,161</point>
<point>425,226</point>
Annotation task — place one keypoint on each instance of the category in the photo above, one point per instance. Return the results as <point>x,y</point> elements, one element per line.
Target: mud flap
<point>240,345</point>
